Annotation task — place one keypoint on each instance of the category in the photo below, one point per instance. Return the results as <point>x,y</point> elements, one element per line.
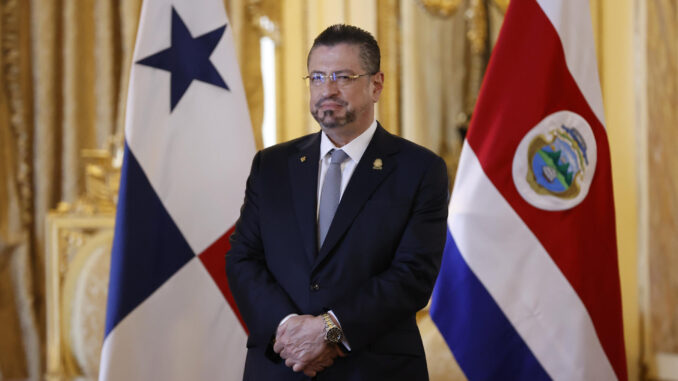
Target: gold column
<point>79,99</point>
<point>616,60</point>
<point>246,34</point>
<point>106,70</point>
<point>129,12</point>
<point>388,35</point>
<point>292,93</point>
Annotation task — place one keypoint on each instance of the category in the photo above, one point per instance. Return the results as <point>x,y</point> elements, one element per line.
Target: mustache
<point>333,99</point>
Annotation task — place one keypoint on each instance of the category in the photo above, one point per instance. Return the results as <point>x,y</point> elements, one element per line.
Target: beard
<point>329,118</point>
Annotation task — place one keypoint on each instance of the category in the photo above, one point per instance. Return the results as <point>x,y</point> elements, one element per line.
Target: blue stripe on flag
<point>148,247</point>
<point>482,339</point>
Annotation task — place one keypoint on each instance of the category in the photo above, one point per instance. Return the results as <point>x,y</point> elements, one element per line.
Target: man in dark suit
<point>341,234</point>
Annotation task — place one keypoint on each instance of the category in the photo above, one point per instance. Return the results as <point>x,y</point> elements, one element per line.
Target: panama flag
<point>188,140</point>
<point>529,284</point>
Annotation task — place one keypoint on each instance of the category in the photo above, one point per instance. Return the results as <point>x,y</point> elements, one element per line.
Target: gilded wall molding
<point>447,8</point>
<point>440,8</point>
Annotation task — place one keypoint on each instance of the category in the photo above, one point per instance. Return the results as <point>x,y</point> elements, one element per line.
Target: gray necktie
<point>330,194</point>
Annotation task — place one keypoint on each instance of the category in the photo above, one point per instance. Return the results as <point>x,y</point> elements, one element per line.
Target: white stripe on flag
<point>184,331</point>
<point>572,21</point>
<point>541,304</point>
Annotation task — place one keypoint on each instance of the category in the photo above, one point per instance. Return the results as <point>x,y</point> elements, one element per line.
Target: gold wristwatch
<point>333,334</point>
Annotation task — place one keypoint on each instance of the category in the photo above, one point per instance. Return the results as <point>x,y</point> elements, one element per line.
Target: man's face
<point>336,105</point>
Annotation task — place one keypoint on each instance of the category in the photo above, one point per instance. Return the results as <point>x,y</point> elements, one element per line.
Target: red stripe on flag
<point>214,260</point>
<point>528,79</point>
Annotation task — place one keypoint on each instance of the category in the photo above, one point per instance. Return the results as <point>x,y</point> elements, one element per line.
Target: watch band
<point>333,334</point>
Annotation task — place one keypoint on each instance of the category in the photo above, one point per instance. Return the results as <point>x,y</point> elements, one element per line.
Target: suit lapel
<point>303,167</point>
<point>374,166</point>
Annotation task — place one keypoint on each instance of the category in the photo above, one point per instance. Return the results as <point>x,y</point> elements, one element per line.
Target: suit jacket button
<point>315,287</point>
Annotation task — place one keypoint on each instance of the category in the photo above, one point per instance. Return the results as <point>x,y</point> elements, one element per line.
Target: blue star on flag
<point>187,59</point>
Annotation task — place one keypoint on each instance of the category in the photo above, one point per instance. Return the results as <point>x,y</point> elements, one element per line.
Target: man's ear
<point>377,86</point>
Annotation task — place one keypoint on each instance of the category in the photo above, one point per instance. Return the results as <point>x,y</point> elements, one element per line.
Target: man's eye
<point>317,78</point>
<point>343,78</point>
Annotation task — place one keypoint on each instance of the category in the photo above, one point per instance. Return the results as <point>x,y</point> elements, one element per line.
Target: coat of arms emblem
<point>558,162</point>
<point>554,163</point>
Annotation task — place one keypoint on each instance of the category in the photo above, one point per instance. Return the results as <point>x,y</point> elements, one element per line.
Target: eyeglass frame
<point>334,77</point>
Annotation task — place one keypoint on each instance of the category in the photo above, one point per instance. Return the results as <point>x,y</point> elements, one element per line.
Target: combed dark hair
<point>349,34</point>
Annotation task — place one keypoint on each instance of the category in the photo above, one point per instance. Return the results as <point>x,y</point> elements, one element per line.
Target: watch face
<point>334,335</point>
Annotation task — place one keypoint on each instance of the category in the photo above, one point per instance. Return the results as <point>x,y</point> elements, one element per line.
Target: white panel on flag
<point>573,24</point>
<point>184,331</point>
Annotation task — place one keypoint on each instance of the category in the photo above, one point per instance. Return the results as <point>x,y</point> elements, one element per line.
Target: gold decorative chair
<point>78,249</point>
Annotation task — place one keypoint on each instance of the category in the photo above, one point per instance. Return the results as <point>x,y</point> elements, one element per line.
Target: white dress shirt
<point>354,149</point>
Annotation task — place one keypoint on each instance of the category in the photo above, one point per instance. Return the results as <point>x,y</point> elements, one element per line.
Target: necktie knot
<point>338,156</point>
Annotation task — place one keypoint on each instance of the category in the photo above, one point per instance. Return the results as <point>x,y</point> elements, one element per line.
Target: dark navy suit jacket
<point>375,270</point>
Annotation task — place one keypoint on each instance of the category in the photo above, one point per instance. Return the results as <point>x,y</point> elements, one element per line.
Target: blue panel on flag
<point>148,247</point>
<point>482,339</point>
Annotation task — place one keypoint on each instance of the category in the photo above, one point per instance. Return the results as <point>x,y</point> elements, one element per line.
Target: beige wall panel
<point>659,186</point>
<point>362,13</point>
<point>662,90</point>
<point>323,13</point>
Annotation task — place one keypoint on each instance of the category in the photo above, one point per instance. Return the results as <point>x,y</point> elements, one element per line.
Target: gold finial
<point>302,159</point>
<point>378,164</point>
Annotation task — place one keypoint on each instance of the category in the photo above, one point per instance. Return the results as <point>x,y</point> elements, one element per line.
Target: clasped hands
<point>300,341</point>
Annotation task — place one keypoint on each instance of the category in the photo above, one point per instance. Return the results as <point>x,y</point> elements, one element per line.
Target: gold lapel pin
<point>302,159</point>
<point>378,164</point>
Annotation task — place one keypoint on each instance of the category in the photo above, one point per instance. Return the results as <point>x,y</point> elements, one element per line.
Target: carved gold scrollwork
<point>477,35</point>
<point>440,8</point>
<point>477,21</point>
<point>260,18</point>
<point>102,180</point>
<point>447,8</point>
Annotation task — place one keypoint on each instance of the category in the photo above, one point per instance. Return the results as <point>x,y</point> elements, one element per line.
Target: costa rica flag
<point>529,284</point>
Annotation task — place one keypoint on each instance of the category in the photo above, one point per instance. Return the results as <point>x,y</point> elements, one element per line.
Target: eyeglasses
<point>317,79</point>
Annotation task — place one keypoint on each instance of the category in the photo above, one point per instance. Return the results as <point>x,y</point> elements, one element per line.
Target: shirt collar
<point>354,149</point>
